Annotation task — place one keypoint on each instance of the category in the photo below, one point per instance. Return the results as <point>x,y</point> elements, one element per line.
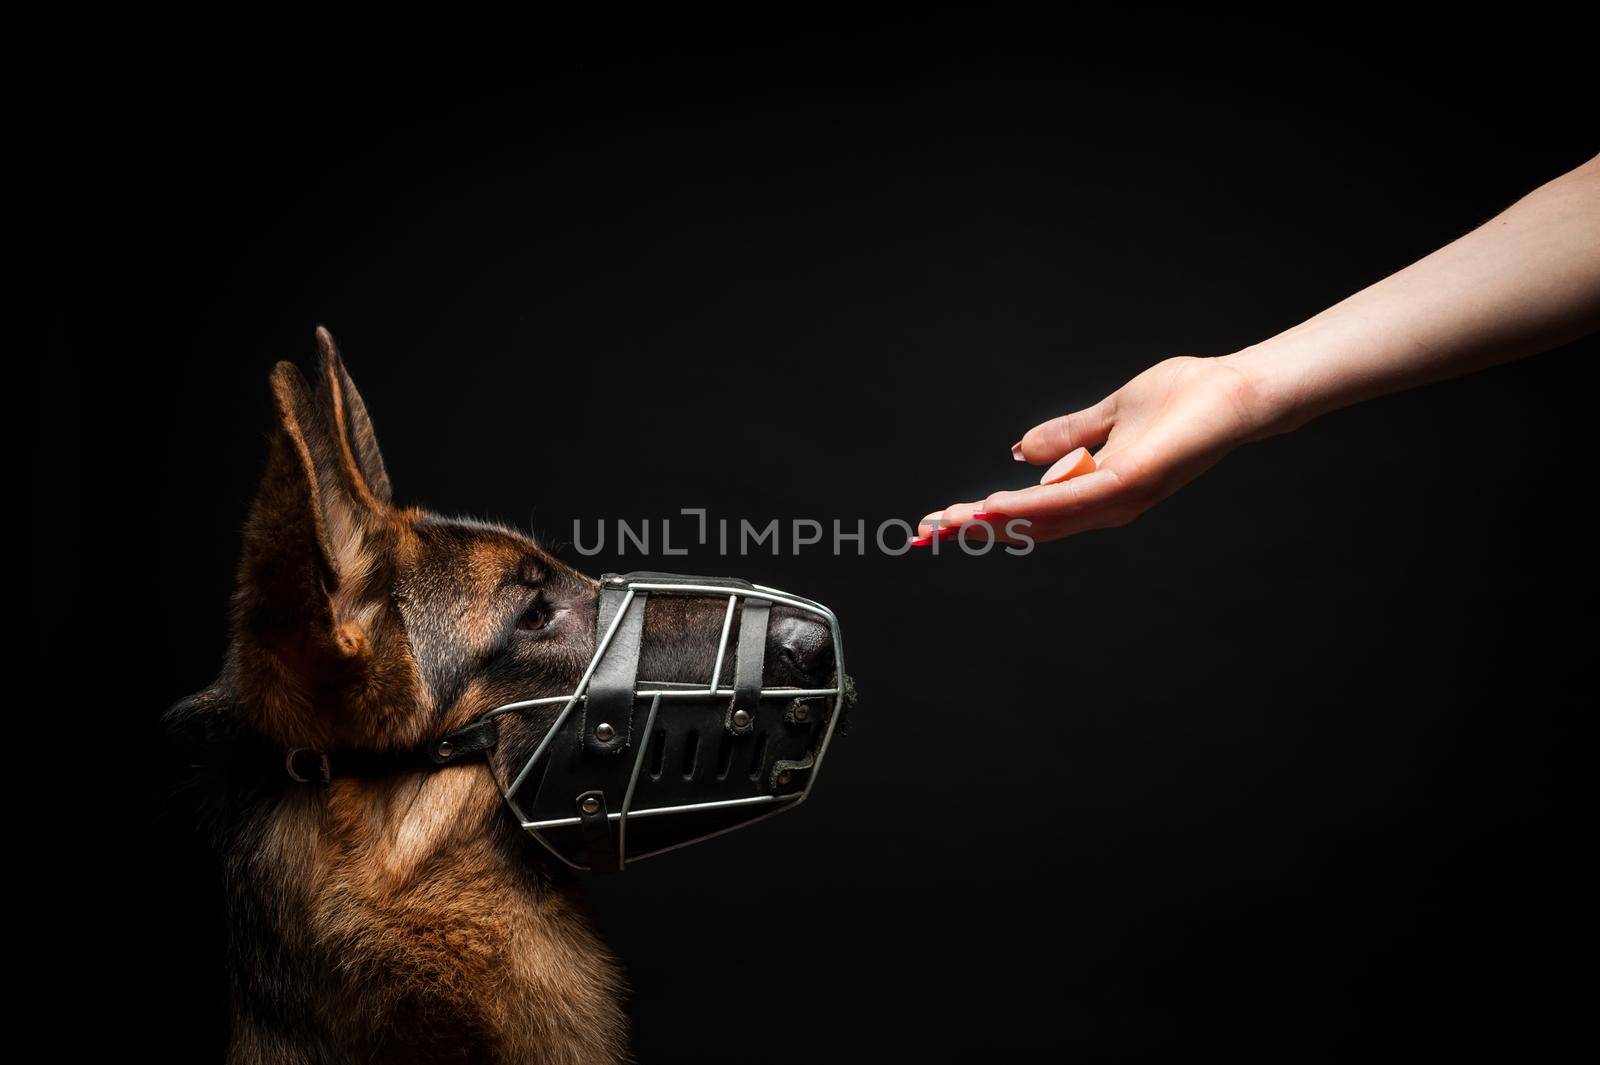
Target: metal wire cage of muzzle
<point>632,768</point>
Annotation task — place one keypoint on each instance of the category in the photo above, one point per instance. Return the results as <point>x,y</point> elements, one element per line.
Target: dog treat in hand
<point>1073,464</point>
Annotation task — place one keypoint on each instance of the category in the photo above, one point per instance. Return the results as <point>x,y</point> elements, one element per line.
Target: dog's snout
<point>806,645</point>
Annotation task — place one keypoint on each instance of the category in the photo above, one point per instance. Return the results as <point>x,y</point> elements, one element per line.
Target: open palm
<point>1149,438</point>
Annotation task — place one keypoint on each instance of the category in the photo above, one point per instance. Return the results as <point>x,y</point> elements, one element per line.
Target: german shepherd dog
<point>406,918</point>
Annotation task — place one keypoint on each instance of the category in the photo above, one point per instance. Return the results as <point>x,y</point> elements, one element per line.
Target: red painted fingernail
<point>946,532</point>
<point>990,516</point>
<point>1016,452</point>
<point>922,541</point>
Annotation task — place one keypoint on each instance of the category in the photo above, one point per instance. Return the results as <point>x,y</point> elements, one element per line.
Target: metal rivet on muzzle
<point>801,711</point>
<point>784,778</point>
<point>589,805</point>
<point>741,718</point>
<point>446,749</point>
<point>603,732</point>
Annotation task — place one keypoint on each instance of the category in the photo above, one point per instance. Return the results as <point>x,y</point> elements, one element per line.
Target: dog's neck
<point>396,919</point>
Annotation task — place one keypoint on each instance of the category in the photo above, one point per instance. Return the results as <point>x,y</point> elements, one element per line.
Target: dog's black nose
<point>805,644</point>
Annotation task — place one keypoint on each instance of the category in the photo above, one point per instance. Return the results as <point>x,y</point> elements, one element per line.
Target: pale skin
<point>1525,281</point>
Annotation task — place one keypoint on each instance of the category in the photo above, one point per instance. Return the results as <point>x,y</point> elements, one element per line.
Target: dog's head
<point>360,623</point>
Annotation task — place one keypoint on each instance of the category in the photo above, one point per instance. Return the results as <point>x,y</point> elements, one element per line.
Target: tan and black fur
<point>404,918</point>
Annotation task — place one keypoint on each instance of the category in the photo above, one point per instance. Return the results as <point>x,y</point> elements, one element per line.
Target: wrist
<point>1274,372</point>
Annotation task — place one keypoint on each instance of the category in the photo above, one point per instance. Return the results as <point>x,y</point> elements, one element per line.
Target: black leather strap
<point>465,742</point>
<point>308,765</point>
<point>597,839</point>
<point>609,699</point>
<point>749,666</point>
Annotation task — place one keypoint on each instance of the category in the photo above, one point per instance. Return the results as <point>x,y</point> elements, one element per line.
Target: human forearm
<point>1525,281</point>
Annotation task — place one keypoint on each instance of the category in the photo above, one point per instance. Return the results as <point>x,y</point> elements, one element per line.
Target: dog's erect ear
<point>317,542</point>
<point>347,414</point>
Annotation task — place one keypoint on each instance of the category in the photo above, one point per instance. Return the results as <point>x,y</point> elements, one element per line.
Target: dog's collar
<point>308,765</point>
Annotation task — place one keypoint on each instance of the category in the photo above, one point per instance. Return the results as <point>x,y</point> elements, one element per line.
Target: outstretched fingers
<point>1095,500</point>
<point>969,521</point>
<point>1012,516</point>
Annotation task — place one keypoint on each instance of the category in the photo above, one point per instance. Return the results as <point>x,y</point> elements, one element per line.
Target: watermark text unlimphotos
<point>740,536</point>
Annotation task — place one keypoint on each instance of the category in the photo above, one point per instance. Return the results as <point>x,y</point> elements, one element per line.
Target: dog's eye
<point>532,618</point>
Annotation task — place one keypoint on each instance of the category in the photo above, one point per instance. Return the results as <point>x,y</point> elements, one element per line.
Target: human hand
<point>1155,434</point>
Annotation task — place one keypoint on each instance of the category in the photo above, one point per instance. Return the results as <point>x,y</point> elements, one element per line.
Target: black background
<point>1286,766</point>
